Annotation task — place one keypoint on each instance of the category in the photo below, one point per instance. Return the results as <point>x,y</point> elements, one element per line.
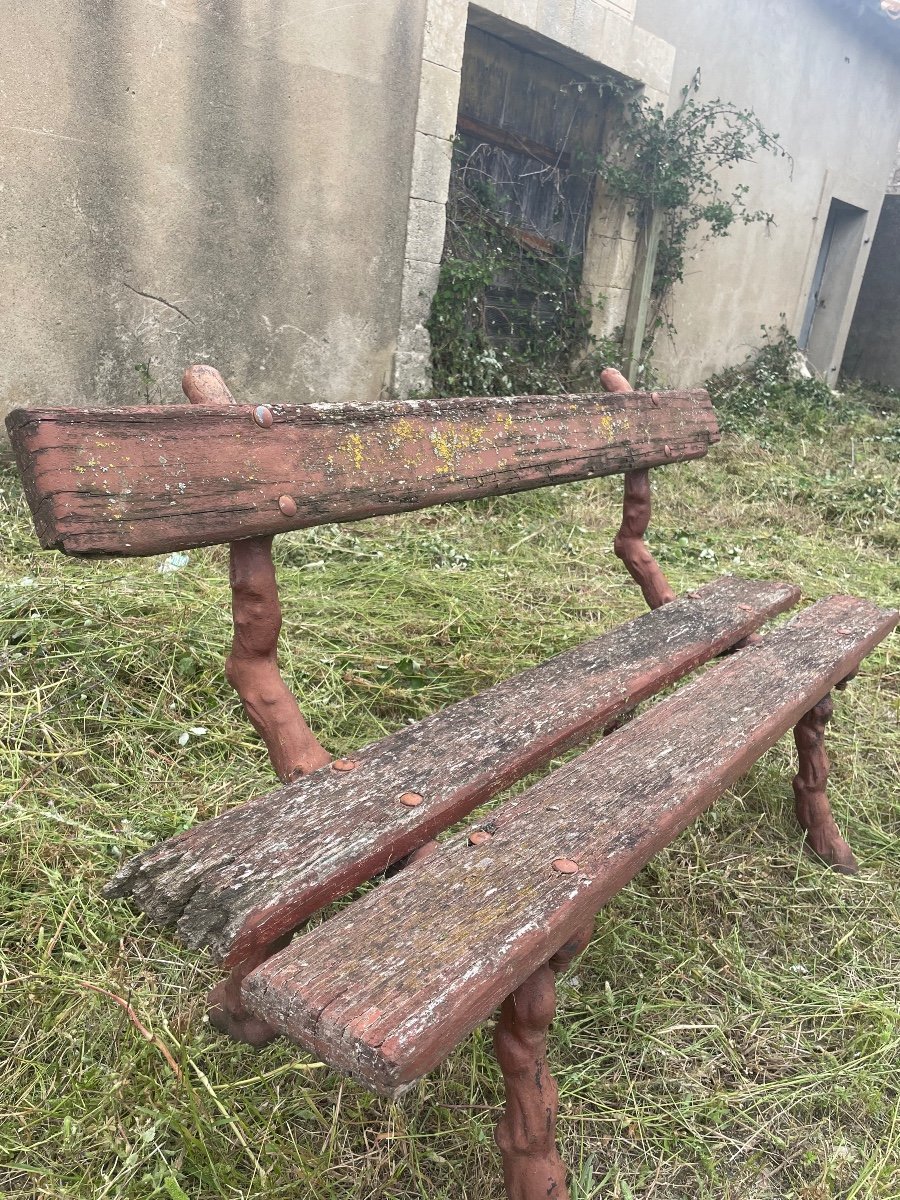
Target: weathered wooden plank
<point>385,989</point>
<point>239,881</point>
<point>147,480</point>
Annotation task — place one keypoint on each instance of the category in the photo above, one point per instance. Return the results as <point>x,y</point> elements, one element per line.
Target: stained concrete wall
<point>203,180</point>
<point>816,74</point>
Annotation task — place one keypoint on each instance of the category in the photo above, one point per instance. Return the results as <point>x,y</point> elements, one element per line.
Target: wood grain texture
<point>149,480</point>
<point>385,989</point>
<point>241,880</point>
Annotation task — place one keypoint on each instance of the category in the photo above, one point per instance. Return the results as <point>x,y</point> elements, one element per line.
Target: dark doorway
<point>873,347</point>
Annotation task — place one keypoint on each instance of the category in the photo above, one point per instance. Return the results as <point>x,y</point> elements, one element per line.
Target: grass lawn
<point>733,1030</point>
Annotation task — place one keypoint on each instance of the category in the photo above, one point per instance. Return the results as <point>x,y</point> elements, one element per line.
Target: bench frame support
<point>526,1133</point>
<point>629,544</point>
<point>823,838</point>
<point>225,1005</point>
<point>252,666</point>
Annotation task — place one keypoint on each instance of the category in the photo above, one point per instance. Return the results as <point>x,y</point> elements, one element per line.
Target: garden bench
<point>387,987</point>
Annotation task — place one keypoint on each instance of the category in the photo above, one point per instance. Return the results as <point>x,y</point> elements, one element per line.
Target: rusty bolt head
<point>565,866</point>
<point>479,836</point>
<point>344,764</point>
<point>288,505</point>
<point>411,799</point>
<point>263,416</point>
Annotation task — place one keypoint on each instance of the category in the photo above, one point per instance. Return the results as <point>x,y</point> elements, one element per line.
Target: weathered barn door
<point>528,134</point>
<point>531,129</point>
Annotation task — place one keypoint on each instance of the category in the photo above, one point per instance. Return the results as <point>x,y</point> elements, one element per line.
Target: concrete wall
<point>203,180</point>
<point>873,347</point>
<point>811,73</point>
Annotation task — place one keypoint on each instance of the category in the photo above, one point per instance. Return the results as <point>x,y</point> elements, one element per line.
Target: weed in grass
<point>733,1030</point>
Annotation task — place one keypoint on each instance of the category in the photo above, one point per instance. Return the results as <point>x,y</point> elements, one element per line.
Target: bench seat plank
<point>237,882</point>
<point>149,480</point>
<point>386,988</point>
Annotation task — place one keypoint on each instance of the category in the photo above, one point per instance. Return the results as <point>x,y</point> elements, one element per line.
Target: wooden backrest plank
<point>237,882</point>
<point>150,480</point>
<point>386,988</point>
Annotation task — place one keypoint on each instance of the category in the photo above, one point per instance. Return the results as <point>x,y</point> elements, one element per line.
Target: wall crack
<point>158,300</point>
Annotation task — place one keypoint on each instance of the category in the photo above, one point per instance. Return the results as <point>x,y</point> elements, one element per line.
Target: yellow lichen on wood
<point>353,447</point>
<point>612,425</point>
<point>403,429</point>
<point>607,425</point>
<point>447,446</point>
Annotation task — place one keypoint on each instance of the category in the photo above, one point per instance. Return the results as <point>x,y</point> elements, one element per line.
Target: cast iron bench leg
<point>225,1004</point>
<point>823,837</point>
<point>526,1133</point>
<point>629,544</point>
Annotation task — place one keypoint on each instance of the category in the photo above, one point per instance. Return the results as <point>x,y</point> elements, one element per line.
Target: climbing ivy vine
<point>674,164</point>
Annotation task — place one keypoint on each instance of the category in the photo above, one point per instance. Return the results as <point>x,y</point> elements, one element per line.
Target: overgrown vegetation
<point>546,344</point>
<point>773,394</point>
<point>734,1029</point>
<point>671,164</point>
